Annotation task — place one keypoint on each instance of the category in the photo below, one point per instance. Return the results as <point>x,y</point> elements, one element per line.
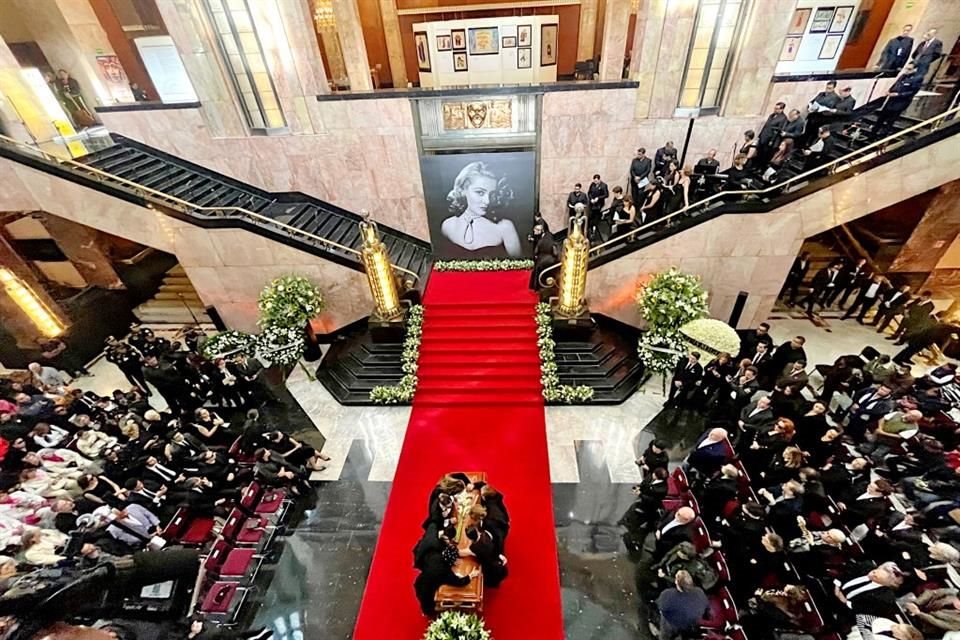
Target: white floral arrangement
<point>455,625</point>
<point>505,264</point>
<point>281,345</point>
<point>289,301</point>
<point>228,343</point>
<point>670,300</point>
<point>553,391</point>
<point>403,391</point>
<point>711,336</point>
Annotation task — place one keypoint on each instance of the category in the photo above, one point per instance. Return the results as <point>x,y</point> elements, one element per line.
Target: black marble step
<point>355,363</point>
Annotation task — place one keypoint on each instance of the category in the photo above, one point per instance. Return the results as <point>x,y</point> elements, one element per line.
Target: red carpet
<point>478,408</point>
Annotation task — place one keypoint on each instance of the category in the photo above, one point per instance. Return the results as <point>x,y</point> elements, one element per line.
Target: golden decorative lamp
<point>31,304</point>
<point>571,303</point>
<point>383,284</point>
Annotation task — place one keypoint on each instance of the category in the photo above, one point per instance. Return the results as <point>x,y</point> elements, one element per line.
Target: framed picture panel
<point>798,24</point>
<point>484,41</point>
<point>790,47</point>
<point>830,46</point>
<point>460,61</point>
<point>458,39</point>
<point>444,43</point>
<point>423,50</point>
<point>822,19</point>
<point>548,45</point>
<point>524,35</point>
<point>524,58</point>
<point>841,19</point>
<point>508,42</point>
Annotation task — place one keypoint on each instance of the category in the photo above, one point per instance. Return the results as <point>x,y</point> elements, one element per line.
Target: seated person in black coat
<point>486,550</point>
<point>710,453</point>
<point>674,528</point>
<point>654,457</point>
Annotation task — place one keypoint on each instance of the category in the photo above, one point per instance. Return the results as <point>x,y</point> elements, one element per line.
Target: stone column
<point>391,32</point>
<point>350,33</point>
<point>21,112</point>
<point>71,38</point>
<point>615,22</point>
<point>285,29</point>
<point>187,26</point>
<point>934,235</point>
<point>14,319</point>
<point>588,30</point>
<point>86,248</point>
<point>331,46</point>
<point>666,38</point>
<point>646,51</point>
<point>756,60</point>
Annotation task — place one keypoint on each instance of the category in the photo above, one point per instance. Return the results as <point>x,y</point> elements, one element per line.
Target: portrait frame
<point>460,61</point>
<point>525,35</point>
<point>548,45</point>
<point>483,41</point>
<point>458,39</point>
<point>524,57</point>
<point>423,50</point>
<point>798,24</point>
<point>822,19</point>
<point>508,42</point>
<point>841,19</point>
<point>791,45</point>
<point>830,47</point>
<point>444,43</point>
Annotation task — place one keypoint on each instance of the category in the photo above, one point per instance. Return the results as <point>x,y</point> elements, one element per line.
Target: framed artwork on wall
<point>524,35</point>
<point>460,61</point>
<point>799,22</point>
<point>524,57</point>
<point>822,19</point>
<point>423,50</point>
<point>508,42</point>
<point>459,39</point>
<point>841,19</point>
<point>830,46</point>
<point>444,43</point>
<point>790,47</point>
<point>548,45</point>
<point>484,41</point>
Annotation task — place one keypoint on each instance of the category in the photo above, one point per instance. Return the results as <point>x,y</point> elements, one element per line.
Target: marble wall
<point>363,156</point>
<point>754,252</point>
<point>227,267</point>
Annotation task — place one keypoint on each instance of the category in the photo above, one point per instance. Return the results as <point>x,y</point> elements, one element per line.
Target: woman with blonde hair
<point>478,195</point>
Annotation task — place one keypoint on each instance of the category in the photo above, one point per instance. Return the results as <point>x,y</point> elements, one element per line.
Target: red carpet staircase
<point>478,407</point>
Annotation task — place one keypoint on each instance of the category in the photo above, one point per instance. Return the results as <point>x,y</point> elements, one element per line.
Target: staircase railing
<point>834,166</point>
<point>166,200</point>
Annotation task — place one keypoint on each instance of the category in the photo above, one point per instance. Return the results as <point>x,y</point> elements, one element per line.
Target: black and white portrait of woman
<point>482,214</point>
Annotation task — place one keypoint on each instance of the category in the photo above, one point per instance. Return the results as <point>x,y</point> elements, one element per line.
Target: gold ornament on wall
<point>477,114</point>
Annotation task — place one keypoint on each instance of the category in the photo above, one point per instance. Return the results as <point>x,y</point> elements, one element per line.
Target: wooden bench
<point>470,597</point>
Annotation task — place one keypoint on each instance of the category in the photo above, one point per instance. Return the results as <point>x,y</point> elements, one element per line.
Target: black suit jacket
<point>600,192</point>
<point>688,376</point>
<point>927,52</point>
<point>574,199</point>
<point>822,280</point>
<point>771,129</point>
<point>896,53</point>
<point>799,270</point>
<point>759,420</point>
<point>667,540</point>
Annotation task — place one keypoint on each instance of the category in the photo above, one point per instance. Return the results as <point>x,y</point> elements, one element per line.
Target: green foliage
<point>670,300</point>
<point>483,265</point>
<point>289,301</point>
<point>553,391</point>
<point>454,625</point>
<point>403,392</point>
<point>228,343</point>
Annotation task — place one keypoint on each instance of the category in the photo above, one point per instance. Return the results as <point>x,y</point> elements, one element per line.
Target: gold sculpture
<point>376,262</point>
<point>573,268</point>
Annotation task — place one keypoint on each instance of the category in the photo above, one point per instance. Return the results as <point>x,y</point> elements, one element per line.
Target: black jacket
<point>896,53</point>
<point>598,191</point>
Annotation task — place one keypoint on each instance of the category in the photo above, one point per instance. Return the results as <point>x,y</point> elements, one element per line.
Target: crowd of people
<point>460,507</point>
<point>89,480</point>
<point>821,499</point>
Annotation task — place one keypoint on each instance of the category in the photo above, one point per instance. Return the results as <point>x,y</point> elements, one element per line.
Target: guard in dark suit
<point>893,305</point>
<point>685,376</point>
<point>897,51</point>
<point>770,132</point>
<point>870,292</point>
<point>798,273</point>
<point>822,287</point>
<point>927,52</point>
<point>853,279</point>
<point>898,99</point>
<point>597,194</point>
<point>915,315</point>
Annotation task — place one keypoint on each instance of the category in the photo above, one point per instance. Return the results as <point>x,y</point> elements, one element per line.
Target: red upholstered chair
<point>270,503</point>
<point>222,602</point>
<point>686,499</point>
<point>719,564</point>
<point>232,563</point>
<point>243,530</point>
<point>722,611</point>
<point>189,529</point>
<point>701,538</point>
<point>677,483</point>
<point>730,508</point>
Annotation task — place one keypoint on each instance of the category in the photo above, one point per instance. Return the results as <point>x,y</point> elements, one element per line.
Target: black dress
<point>486,550</point>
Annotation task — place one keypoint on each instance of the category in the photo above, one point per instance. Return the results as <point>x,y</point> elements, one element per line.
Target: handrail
<point>779,186</point>
<point>185,205</point>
